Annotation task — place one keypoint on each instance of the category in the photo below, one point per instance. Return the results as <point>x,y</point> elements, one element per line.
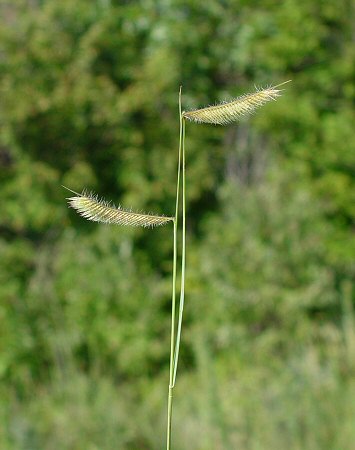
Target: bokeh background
<point>88,98</point>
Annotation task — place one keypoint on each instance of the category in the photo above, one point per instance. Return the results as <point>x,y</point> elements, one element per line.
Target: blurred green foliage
<point>88,98</point>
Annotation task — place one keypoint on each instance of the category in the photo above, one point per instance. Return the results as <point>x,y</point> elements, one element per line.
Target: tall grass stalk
<point>99,210</point>
<point>173,300</point>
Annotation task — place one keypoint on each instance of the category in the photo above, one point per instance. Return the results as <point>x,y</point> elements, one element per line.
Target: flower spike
<point>93,208</point>
<point>228,112</point>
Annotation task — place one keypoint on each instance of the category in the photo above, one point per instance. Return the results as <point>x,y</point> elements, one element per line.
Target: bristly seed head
<point>228,112</point>
<point>90,206</point>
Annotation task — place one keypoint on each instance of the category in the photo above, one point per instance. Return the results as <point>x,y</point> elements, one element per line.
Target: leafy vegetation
<point>89,98</point>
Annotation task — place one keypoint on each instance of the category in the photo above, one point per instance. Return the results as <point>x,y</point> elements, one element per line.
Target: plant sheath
<point>183,256</point>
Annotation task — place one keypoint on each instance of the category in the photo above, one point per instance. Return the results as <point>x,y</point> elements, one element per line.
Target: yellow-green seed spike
<point>228,112</point>
<point>92,208</point>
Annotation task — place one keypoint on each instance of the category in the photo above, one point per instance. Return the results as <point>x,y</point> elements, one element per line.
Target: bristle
<point>225,113</point>
<point>92,208</point>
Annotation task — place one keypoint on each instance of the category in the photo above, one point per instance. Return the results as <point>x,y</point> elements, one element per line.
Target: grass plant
<point>91,207</point>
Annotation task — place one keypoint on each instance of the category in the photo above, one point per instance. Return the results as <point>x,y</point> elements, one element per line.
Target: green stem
<point>173,306</point>
<point>183,257</point>
<point>170,394</point>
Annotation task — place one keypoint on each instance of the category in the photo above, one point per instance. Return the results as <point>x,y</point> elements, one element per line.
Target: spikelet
<point>92,208</point>
<point>227,112</point>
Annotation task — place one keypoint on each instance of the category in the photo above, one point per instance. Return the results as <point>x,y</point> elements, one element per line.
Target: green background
<point>88,98</point>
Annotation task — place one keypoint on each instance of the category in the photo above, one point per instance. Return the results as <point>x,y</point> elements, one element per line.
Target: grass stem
<point>173,300</point>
